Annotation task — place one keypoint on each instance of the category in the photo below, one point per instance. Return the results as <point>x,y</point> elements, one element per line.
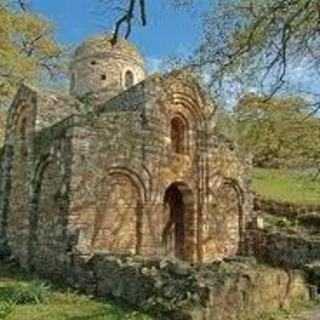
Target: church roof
<point>101,45</point>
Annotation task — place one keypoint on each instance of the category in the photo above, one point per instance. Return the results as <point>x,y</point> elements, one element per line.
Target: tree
<point>278,132</point>
<point>260,42</point>
<point>127,11</point>
<point>27,47</point>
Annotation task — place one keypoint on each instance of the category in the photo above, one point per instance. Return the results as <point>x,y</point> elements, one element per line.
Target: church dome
<point>104,70</point>
<point>101,46</point>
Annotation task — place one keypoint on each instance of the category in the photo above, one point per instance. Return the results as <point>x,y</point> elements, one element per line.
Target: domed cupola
<point>103,70</point>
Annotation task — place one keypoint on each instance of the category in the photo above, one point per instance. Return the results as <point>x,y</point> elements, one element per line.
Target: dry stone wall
<point>285,209</point>
<point>284,250</point>
<point>238,289</point>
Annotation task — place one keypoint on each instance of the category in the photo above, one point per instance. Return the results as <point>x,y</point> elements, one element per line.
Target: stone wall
<point>170,289</point>
<point>49,202</point>
<point>229,202</point>
<point>283,250</point>
<point>285,209</point>
<point>288,247</point>
<point>108,180</point>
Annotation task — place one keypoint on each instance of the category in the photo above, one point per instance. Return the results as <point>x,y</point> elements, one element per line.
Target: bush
<point>5,309</point>
<point>34,292</point>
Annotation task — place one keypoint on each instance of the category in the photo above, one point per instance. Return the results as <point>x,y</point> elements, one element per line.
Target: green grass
<point>286,185</point>
<point>23,297</point>
<point>299,311</point>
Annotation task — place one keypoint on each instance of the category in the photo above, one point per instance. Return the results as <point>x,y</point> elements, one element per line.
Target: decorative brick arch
<point>225,222</point>
<point>46,184</point>
<point>178,235</point>
<point>21,125</point>
<point>119,213</point>
<point>179,132</point>
<point>136,179</point>
<point>233,184</point>
<point>19,128</point>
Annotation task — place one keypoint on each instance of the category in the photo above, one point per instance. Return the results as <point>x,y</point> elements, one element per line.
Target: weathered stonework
<point>228,290</point>
<point>136,168</point>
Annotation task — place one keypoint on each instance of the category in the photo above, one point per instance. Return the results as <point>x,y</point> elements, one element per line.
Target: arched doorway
<point>178,234</point>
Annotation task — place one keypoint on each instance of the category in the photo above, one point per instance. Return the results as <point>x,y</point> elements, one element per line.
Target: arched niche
<point>179,134</point>
<point>224,223</point>
<point>22,128</point>
<point>118,221</point>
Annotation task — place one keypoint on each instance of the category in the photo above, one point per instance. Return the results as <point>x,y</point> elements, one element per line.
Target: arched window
<point>178,135</point>
<point>128,79</point>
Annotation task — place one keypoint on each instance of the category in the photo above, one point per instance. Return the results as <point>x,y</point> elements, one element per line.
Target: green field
<point>25,298</point>
<point>286,185</point>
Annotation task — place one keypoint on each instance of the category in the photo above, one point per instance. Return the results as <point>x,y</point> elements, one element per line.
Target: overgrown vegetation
<point>28,298</point>
<point>286,185</point>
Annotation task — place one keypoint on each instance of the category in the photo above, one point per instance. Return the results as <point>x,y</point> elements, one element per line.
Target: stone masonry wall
<point>107,181</point>
<point>229,202</point>
<point>283,250</point>
<point>50,241</point>
<point>170,289</point>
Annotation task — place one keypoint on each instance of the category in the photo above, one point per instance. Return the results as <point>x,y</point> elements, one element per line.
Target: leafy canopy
<point>278,132</point>
<point>27,46</point>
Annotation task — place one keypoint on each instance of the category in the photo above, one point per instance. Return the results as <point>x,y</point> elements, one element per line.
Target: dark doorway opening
<point>178,231</point>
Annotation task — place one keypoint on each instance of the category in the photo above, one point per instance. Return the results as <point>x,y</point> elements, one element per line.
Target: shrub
<point>5,309</point>
<point>33,292</point>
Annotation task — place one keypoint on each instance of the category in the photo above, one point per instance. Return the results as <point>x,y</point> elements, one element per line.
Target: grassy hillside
<point>27,298</point>
<point>286,185</point>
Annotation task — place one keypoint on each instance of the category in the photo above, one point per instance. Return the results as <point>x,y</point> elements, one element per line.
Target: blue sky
<point>169,31</point>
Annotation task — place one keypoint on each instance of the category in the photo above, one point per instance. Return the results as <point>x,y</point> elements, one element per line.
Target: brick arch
<point>21,123</point>
<point>179,231</point>
<point>179,133</point>
<point>19,127</point>
<point>46,208</point>
<point>139,180</point>
<point>21,108</point>
<point>225,221</point>
<point>118,218</point>
<point>189,103</point>
<point>240,198</point>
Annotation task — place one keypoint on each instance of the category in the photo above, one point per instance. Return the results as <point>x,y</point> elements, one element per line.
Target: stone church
<point>127,164</point>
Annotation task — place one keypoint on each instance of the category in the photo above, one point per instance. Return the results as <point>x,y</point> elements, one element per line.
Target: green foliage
<point>277,132</point>
<point>27,46</point>
<point>22,297</point>
<point>5,309</point>
<point>286,185</point>
<point>33,292</point>
<point>258,43</point>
